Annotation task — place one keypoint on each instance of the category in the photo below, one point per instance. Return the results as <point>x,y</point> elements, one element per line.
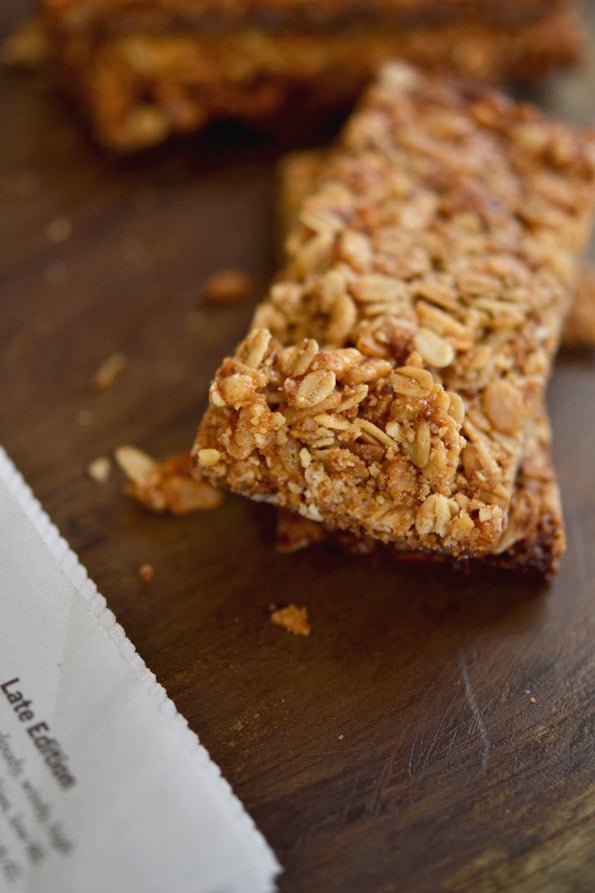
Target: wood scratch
<point>410,766</point>
<point>375,803</point>
<point>485,738</point>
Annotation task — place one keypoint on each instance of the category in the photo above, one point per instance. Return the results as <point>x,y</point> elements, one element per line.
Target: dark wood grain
<point>397,749</point>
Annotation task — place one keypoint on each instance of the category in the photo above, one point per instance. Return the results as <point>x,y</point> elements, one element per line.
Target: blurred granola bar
<point>143,70</point>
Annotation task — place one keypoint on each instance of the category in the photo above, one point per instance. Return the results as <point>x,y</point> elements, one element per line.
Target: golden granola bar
<point>140,85</point>
<point>534,536</point>
<point>392,375</point>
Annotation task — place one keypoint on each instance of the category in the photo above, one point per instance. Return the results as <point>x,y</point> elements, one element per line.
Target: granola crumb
<point>533,700</point>
<point>146,572</point>
<point>228,287</point>
<point>99,469</point>
<point>109,371</point>
<point>59,230</point>
<point>293,619</point>
<point>166,487</point>
<point>340,737</point>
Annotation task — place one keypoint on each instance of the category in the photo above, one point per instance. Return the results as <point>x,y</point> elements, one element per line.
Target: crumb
<point>533,700</point>
<point>293,619</point>
<point>84,417</point>
<point>146,572</point>
<point>99,469</point>
<point>340,737</point>
<point>56,272</point>
<point>27,47</point>
<point>109,371</point>
<point>166,487</point>
<point>228,287</point>
<point>59,230</point>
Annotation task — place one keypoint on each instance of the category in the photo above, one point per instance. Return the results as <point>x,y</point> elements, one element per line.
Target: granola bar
<point>392,376</point>
<point>534,537</point>
<point>139,85</point>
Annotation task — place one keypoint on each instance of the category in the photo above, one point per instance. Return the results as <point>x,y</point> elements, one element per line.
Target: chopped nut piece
<point>146,572</point>
<point>109,371</point>
<point>99,469</point>
<point>293,619</point>
<point>166,487</point>
<point>229,287</point>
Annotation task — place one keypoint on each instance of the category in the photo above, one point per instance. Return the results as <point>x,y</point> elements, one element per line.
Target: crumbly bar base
<point>137,89</point>
<point>438,300</point>
<point>533,541</point>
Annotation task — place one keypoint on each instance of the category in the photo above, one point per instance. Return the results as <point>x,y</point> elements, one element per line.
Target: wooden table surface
<point>436,731</point>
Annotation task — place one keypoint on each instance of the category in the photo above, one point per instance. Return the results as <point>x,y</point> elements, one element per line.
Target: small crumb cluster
<point>292,619</point>
<point>167,486</point>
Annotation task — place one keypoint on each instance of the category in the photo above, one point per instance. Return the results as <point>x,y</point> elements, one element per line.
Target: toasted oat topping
<point>391,375</point>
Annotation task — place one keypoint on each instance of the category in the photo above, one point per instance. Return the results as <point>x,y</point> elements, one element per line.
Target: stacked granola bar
<point>143,70</point>
<point>392,385</point>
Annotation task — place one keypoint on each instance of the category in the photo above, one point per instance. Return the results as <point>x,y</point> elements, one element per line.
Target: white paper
<point>103,787</point>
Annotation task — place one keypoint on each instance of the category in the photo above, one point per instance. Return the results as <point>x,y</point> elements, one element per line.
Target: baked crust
<point>393,376</point>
